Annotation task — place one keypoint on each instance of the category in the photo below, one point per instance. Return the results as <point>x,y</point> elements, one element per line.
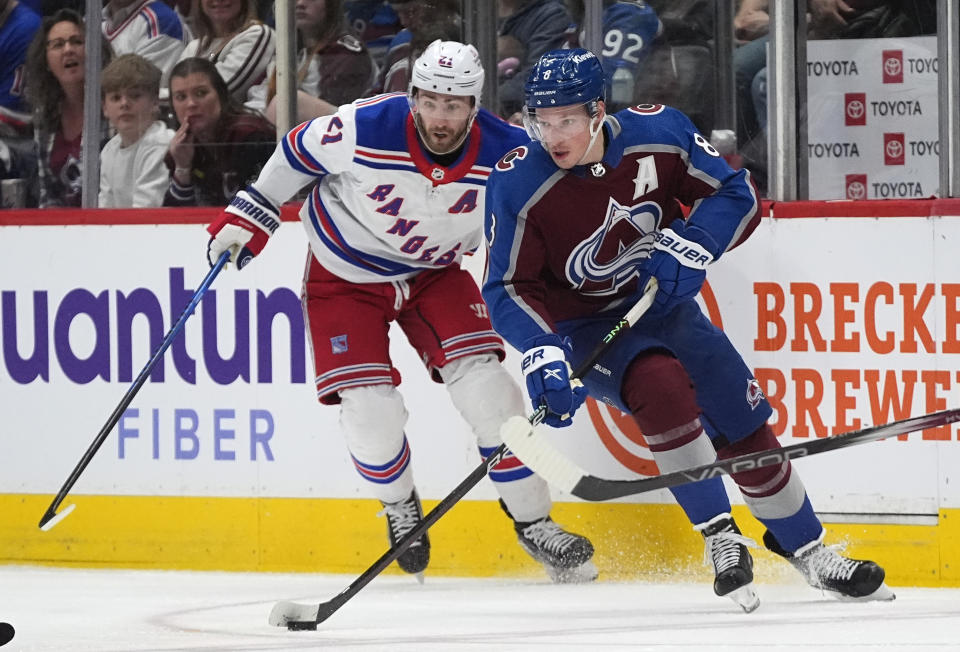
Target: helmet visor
<point>556,123</point>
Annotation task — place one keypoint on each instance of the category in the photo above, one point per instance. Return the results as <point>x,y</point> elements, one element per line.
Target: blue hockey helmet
<point>564,77</point>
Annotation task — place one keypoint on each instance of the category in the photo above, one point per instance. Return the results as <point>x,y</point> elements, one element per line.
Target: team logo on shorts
<point>338,344</point>
<point>754,393</point>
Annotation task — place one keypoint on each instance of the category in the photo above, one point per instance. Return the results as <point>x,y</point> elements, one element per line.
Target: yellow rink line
<point>474,539</point>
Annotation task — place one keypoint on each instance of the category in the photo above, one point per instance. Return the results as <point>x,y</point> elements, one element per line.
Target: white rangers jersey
<point>381,209</point>
<point>149,28</point>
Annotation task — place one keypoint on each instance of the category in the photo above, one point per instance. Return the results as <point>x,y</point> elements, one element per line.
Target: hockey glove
<point>679,263</point>
<point>243,228</point>
<point>548,379</point>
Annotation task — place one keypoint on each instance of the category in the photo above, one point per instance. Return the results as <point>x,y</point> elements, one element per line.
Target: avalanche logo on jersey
<point>612,255</point>
<point>754,393</point>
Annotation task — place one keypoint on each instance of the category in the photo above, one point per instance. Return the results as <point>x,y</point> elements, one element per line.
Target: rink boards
<point>849,313</point>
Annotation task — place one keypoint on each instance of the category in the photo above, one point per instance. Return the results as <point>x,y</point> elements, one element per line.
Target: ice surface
<point>140,611</point>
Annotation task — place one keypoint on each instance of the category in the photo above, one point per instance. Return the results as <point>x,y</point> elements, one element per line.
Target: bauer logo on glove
<point>548,379</point>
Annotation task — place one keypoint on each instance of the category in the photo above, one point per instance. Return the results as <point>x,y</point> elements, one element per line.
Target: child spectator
<point>132,169</point>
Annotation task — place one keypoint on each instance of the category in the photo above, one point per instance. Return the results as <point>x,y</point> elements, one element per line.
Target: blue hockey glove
<point>679,263</point>
<point>548,379</point>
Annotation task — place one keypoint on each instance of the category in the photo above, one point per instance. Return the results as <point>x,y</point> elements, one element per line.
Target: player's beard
<point>455,140</point>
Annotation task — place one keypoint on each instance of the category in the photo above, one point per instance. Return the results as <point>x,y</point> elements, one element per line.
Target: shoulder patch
<point>507,162</point>
<point>647,109</point>
<point>350,42</point>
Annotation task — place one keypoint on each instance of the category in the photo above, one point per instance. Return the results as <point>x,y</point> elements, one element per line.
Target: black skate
<point>826,569</point>
<point>727,550</point>
<point>565,556</point>
<point>402,517</point>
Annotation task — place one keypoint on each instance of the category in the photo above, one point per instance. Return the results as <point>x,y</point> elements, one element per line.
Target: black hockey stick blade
<point>51,517</point>
<point>295,616</point>
<point>557,469</point>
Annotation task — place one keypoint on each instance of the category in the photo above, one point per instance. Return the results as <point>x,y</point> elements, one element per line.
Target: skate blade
<point>882,594</point>
<point>585,572</point>
<point>745,598</point>
<point>420,577</point>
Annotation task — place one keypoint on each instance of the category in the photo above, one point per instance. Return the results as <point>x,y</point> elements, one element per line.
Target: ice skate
<point>826,569</point>
<point>727,550</point>
<point>565,556</point>
<point>403,516</point>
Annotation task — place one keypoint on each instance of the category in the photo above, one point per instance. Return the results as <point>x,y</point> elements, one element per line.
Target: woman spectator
<point>219,146</point>
<point>55,74</point>
<point>333,65</point>
<point>229,34</point>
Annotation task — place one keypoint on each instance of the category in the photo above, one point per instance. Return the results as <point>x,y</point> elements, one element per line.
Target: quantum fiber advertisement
<point>847,321</point>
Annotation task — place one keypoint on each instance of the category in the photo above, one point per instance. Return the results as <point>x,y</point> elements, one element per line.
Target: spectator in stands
<point>527,29</point>
<point>825,19</point>
<point>376,22</point>
<point>679,69</point>
<point>132,169</point>
<point>750,26</point>
<point>629,29</point>
<point>55,74</point>
<point>427,19</point>
<point>229,33</point>
<point>333,65</point>
<point>150,28</point>
<point>18,24</point>
<point>219,145</point>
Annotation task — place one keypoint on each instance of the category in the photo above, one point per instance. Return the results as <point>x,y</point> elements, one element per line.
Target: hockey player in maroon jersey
<point>398,199</point>
<point>577,221</point>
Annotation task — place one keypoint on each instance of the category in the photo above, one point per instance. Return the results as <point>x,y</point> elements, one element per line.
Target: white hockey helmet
<point>448,67</point>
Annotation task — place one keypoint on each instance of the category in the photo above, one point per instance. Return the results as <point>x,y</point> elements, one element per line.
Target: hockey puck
<point>6,633</point>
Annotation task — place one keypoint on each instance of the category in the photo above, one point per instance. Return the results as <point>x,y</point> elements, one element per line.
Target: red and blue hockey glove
<point>243,228</point>
<point>679,263</point>
<point>548,379</point>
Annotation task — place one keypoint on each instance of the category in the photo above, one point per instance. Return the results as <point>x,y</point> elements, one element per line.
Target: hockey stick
<point>559,471</point>
<point>296,616</point>
<point>51,517</point>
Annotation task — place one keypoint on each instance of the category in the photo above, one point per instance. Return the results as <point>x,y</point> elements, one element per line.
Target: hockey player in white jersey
<point>398,199</point>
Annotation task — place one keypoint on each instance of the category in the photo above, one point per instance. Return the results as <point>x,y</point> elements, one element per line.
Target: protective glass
<point>553,124</point>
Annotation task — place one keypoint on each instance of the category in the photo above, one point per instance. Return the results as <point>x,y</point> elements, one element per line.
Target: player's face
<point>66,52</point>
<point>564,132</point>
<point>196,103</point>
<point>129,110</point>
<point>443,119</point>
